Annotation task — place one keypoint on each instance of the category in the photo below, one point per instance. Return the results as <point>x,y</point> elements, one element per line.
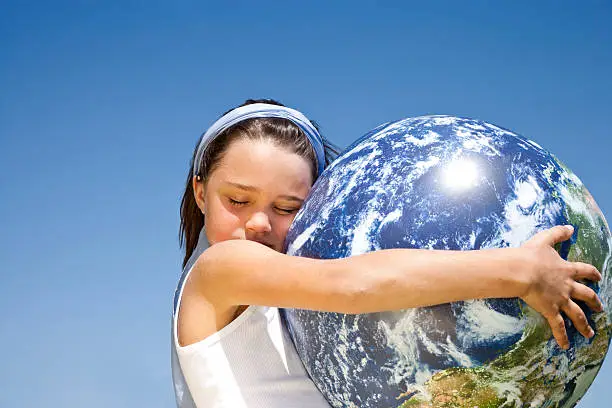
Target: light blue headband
<point>262,110</point>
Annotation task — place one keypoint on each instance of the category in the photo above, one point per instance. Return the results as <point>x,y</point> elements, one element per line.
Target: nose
<point>258,223</point>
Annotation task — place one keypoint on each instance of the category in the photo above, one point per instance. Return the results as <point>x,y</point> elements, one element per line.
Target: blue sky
<point>102,103</point>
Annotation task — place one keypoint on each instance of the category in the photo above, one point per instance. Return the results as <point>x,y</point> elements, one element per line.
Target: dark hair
<point>282,132</point>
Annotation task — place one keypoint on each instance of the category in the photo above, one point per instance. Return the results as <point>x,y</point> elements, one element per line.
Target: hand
<point>553,284</point>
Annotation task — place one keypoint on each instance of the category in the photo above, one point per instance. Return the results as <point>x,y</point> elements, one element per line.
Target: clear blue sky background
<point>101,103</point>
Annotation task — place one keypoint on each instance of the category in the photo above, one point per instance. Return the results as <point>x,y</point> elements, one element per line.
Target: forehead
<point>263,165</point>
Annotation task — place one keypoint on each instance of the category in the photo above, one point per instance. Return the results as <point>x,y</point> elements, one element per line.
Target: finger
<point>577,316</point>
<point>586,271</point>
<point>558,330</point>
<point>554,235</point>
<point>559,233</point>
<point>587,295</point>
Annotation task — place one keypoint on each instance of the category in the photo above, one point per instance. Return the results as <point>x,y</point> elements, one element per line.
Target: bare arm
<point>243,272</point>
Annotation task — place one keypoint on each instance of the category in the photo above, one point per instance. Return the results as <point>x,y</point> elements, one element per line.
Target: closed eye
<point>237,203</point>
<point>286,210</point>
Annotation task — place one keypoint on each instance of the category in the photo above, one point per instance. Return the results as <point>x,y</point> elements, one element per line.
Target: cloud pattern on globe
<point>442,182</point>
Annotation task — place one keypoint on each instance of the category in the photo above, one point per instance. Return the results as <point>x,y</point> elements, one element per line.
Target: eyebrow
<point>242,186</point>
<point>292,198</point>
<point>251,188</point>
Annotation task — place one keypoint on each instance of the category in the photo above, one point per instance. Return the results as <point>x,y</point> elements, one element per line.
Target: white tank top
<point>251,362</point>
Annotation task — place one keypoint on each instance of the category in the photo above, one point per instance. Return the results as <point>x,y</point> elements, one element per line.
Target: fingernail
<point>570,228</point>
<point>591,333</point>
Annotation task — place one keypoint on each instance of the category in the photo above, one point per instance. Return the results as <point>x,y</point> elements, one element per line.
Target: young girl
<point>251,172</point>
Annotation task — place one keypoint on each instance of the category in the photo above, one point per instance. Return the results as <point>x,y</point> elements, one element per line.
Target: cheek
<point>283,226</point>
<point>221,224</point>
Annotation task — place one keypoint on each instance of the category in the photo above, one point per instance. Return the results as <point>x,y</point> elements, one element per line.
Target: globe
<point>442,182</point>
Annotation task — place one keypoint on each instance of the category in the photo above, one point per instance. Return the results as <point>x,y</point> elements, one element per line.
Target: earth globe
<point>443,182</point>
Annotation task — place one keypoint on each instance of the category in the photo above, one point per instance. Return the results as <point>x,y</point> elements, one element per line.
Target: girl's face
<point>254,193</point>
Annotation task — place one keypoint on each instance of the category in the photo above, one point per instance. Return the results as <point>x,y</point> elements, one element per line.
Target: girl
<point>251,172</point>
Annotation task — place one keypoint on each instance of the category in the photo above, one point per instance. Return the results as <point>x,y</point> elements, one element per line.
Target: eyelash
<point>237,203</point>
<point>283,211</point>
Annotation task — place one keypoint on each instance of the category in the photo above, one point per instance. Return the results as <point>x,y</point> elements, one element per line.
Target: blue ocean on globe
<point>442,182</point>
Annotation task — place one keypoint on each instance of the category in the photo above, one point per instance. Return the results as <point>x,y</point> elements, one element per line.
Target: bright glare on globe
<point>460,174</point>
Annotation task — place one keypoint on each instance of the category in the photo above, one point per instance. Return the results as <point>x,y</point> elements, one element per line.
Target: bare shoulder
<point>226,261</point>
<point>209,301</point>
<point>200,315</point>
<point>235,250</point>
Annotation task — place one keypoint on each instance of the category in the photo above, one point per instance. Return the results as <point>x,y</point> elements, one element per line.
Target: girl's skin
<point>249,202</point>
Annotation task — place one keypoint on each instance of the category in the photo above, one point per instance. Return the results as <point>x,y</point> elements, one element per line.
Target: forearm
<point>402,278</point>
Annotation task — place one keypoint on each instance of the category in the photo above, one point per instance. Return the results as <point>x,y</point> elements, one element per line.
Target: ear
<point>199,192</point>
